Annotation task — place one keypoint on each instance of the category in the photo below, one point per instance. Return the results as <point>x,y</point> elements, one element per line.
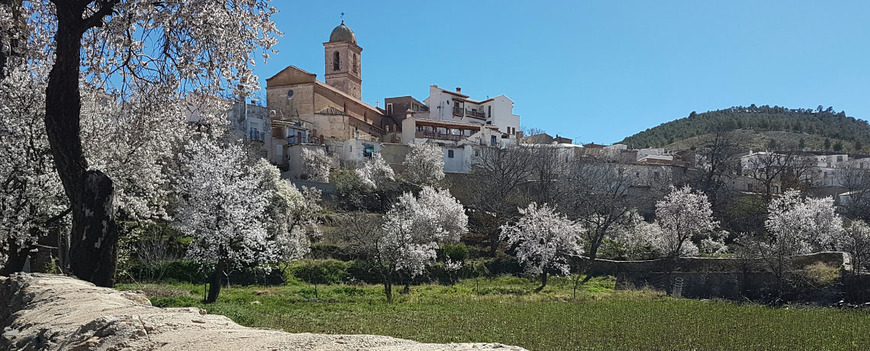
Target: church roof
<point>342,33</point>
<point>330,111</point>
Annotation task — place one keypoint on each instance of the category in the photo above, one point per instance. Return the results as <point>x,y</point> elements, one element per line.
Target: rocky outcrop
<point>51,312</point>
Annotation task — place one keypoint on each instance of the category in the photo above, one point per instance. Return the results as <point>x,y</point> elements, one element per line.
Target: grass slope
<point>506,311</point>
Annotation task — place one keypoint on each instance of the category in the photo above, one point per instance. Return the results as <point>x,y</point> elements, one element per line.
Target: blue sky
<point>597,71</point>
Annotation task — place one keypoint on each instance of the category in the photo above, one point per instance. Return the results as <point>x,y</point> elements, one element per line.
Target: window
<point>336,61</point>
<point>493,141</point>
<point>489,111</point>
<point>355,67</point>
<point>389,108</point>
<point>449,153</point>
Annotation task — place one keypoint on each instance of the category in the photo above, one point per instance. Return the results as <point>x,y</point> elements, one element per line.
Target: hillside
<point>757,126</point>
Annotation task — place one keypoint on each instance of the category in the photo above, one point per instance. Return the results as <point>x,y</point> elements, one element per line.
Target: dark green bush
<point>169,271</point>
<point>456,253</point>
<point>320,271</point>
<point>504,264</point>
<point>364,271</point>
<point>329,251</point>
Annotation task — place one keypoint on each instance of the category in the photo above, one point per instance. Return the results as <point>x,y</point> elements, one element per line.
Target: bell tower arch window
<point>355,64</point>
<point>336,61</point>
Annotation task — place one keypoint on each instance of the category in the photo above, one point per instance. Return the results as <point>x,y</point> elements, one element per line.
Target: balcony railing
<point>438,136</point>
<point>476,114</point>
<point>461,112</point>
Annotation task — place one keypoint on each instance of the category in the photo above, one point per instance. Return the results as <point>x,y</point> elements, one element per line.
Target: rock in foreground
<point>51,312</point>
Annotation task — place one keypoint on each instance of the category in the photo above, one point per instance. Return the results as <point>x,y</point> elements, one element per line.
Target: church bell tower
<point>342,58</point>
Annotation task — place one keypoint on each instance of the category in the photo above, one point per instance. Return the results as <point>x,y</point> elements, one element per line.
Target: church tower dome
<point>342,33</point>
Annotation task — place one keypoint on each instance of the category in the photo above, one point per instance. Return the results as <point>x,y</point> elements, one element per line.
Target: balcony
<point>438,136</point>
<point>475,114</point>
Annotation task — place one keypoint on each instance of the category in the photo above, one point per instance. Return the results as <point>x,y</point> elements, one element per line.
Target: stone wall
<point>729,278</point>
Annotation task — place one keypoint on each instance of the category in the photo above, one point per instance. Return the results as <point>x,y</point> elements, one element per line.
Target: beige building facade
<point>306,110</point>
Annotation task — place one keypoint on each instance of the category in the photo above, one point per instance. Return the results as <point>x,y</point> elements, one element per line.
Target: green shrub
<point>320,271</point>
<point>170,271</point>
<point>364,271</point>
<point>504,264</point>
<point>329,251</point>
<point>456,253</point>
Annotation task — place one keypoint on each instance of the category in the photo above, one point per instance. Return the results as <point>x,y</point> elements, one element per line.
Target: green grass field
<point>506,310</point>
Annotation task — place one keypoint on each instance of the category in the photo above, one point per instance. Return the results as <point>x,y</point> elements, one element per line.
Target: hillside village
<point>303,112</point>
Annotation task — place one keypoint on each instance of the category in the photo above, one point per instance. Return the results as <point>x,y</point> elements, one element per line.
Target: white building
<point>459,124</point>
<point>249,121</point>
<point>450,106</point>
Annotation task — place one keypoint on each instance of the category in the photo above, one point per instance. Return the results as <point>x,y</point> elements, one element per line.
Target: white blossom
<point>134,143</point>
<point>452,266</point>
<point>855,239</point>
<point>802,225</point>
<point>544,239</point>
<point>30,190</point>
<point>424,164</point>
<point>682,215</point>
<point>638,238</point>
<point>222,207</point>
<point>317,164</point>
<point>292,216</point>
<point>375,173</point>
<point>415,227</point>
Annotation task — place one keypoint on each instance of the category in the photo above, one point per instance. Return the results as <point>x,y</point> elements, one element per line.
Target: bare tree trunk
<point>94,237</point>
<point>214,285</point>
<point>388,289</point>
<point>543,282</point>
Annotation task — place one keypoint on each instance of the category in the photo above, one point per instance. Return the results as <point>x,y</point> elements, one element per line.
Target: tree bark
<point>94,236</point>
<point>388,290</point>
<point>214,285</point>
<point>543,282</point>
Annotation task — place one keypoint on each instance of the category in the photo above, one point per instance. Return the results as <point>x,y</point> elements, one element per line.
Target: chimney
<point>458,89</point>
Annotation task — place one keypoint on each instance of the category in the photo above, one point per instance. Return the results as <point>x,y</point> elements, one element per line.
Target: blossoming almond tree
<point>183,46</point>
<point>411,232</point>
<point>317,164</point>
<point>375,173</point>
<point>544,240</point>
<point>802,225</point>
<point>424,164</point>
<point>796,226</point>
<point>291,216</point>
<point>682,215</point>
<point>855,239</point>
<point>31,196</point>
<point>222,209</point>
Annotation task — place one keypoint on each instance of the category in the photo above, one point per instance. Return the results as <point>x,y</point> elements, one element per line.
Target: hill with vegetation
<point>762,127</point>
